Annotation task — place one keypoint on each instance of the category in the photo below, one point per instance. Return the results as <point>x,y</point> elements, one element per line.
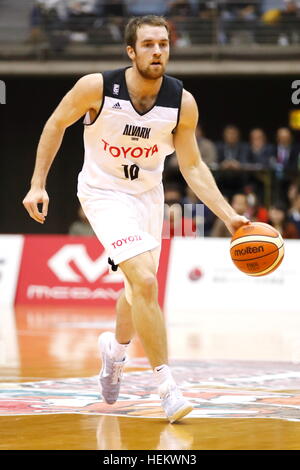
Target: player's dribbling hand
<point>236,222</point>
<point>32,199</point>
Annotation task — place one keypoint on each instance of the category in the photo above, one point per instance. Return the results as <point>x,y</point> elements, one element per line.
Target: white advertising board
<point>202,276</point>
<point>214,311</point>
<point>10,258</point>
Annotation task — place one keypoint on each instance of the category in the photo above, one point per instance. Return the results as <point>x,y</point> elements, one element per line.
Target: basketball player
<point>133,118</point>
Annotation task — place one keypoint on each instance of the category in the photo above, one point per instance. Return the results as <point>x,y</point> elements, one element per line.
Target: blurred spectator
<point>82,16</point>
<point>81,6</point>
<point>108,22</point>
<point>248,11</point>
<point>171,165</point>
<point>173,194</point>
<point>292,192</point>
<point>271,17</point>
<point>183,8</point>
<point>59,6</point>
<point>114,13</point>
<point>172,173</point>
<point>178,24</point>
<point>175,224</point>
<point>231,10</point>
<point>36,33</point>
<point>240,205</point>
<point>260,152</point>
<point>232,153</point>
<point>257,211</point>
<point>292,8</point>
<point>114,8</point>
<point>294,212</point>
<point>259,158</point>
<point>172,210</point>
<point>285,161</point>
<point>232,156</point>
<point>279,220</point>
<point>48,23</point>
<point>287,153</point>
<point>203,218</point>
<point>208,153</point>
<point>141,8</point>
<point>238,21</point>
<point>290,22</point>
<point>173,33</point>
<point>81,226</point>
<point>191,200</point>
<point>267,5</point>
<point>207,148</point>
<point>284,15</point>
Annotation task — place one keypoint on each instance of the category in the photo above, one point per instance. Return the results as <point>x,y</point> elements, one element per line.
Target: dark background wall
<point>247,102</point>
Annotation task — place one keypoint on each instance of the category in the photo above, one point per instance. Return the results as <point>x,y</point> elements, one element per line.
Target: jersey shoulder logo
<point>117,106</point>
<point>116,89</point>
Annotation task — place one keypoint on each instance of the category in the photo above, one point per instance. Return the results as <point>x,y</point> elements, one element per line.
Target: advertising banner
<point>71,270</point>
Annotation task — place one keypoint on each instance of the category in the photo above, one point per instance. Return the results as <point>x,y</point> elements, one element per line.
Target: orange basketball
<point>257,249</point>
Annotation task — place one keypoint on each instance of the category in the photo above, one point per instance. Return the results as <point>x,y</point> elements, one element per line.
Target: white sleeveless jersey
<point>124,148</point>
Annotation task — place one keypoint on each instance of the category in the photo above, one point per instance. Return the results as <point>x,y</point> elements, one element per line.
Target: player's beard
<point>149,72</point>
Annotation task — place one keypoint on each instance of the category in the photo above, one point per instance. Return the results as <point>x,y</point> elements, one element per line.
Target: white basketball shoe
<point>173,402</point>
<point>112,370</point>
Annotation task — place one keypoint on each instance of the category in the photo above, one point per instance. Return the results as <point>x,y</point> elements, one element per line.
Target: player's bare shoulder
<point>90,88</point>
<point>84,96</point>
<point>189,109</point>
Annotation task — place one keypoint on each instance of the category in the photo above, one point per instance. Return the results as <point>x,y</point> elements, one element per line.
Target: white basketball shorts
<point>125,224</point>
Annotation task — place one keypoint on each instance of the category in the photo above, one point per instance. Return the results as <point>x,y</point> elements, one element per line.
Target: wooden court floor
<point>42,343</point>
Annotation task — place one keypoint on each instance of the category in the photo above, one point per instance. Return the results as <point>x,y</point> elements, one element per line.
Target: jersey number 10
<point>131,173</point>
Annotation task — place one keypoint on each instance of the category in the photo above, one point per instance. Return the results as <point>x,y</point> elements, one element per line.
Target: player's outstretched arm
<point>84,96</point>
<point>195,171</point>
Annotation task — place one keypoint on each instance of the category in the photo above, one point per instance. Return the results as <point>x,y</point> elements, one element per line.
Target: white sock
<point>118,350</point>
<point>163,374</point>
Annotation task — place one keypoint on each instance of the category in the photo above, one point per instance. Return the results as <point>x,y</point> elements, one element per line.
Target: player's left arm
<point>195,171</point>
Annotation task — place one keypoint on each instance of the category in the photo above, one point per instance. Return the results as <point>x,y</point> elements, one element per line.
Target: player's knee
<point>140,271</point>
<point>146,286</point>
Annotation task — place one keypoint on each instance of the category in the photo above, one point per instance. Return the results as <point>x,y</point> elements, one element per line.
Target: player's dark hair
<point>136,22</point>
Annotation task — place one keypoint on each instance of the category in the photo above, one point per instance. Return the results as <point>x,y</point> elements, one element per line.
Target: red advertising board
<point>71,270</point>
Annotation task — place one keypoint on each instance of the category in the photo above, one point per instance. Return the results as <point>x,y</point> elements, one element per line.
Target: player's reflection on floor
<point>114,433</point>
